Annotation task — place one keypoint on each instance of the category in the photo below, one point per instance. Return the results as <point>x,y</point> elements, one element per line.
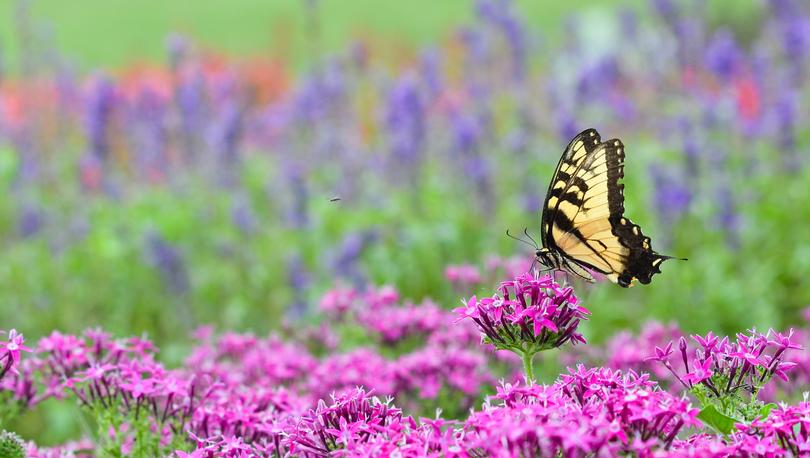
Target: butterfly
<point>583,227</point>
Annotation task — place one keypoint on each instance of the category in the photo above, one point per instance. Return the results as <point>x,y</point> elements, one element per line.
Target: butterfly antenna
<point>526,231</point>
<point>520,239</point>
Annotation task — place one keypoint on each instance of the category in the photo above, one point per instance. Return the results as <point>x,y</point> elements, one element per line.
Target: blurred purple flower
<point>298,209</point>
<point>98,116</point>
<point>347,256</point>
<point>468,134</point>
<point>727,215</point>
<point>299,280</point>
<point>405,123</point>
<point>226,139</point>
<point>319,94</point>
<point>628,22</point>
<point>597,79</point>
<point>501,14</point>
<point>430,63</point>
<point>785,112</point>
<point>723,56</point>
<point>672,194</point>
<point>32,220</point>
<point>476,45</point>
<point>169,261</point>
<point>190,99</point>
<point>243,216</point>
<point>149,128</point>
<point>566,124</point>
<point>794,27</point>
<point>666,9</point>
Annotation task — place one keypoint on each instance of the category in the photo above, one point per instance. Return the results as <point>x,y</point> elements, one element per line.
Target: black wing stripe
<point>547,218</point>
<point>567,225</point>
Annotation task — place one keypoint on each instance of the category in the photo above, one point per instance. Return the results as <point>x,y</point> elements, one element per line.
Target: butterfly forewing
<point>565,176</point>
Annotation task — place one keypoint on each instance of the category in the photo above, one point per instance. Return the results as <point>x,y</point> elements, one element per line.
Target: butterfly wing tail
<point>647,264</point>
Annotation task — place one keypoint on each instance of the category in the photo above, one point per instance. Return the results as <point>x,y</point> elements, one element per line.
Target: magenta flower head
<point>10,352</point>
<point>527,315</point>
<point>726,373</point>
<point>352,417</point>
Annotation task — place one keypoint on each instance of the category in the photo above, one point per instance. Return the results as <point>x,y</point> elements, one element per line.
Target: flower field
<point>225,254</point>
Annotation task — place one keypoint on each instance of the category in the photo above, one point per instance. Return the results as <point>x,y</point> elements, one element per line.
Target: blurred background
<point>170,164</point>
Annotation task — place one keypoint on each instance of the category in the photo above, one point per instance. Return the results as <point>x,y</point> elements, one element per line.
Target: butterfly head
<point>547,258</point>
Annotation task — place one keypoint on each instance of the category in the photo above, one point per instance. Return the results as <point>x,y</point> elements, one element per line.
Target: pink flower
<point>470,310</point>
<point>701,373</point>
<point>14,345</point>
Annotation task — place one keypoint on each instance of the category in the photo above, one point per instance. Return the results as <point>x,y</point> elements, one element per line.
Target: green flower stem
<point>528,365</point>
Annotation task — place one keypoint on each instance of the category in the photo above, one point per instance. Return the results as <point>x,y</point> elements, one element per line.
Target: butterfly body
<point>583,228</point>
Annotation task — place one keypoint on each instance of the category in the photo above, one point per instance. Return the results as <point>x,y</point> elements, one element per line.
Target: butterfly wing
<point>564,177</point>
<point>583,216</point>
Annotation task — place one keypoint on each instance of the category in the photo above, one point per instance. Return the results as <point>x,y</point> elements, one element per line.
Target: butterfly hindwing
<point>583,216</point>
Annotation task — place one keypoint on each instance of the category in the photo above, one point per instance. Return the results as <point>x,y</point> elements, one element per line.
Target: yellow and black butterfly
<point>583,226</point>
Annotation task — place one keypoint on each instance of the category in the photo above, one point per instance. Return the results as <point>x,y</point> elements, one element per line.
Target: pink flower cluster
<point>587,412</point>
<point>627,351</point>
<point>527,314</point>
<point>463,276</point>
<point>239,395</point>
<point>723,366</point>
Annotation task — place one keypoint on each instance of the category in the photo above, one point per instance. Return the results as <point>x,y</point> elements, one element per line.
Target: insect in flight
<point>583,227</point>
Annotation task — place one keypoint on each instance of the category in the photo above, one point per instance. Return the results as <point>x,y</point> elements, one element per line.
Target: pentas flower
<point>10,352</point>
<point>440,373</point>
<point>254,418</point>
<point>338,301</point>
<point>627,351</point>
<point>527,315</point>
<point>703,445</point>
<point>720,371</point>
<point>342,372</point>
<point>785,429</point>
<point>462,276</point>
<point>380,296</point>
<point>83,448</point>
<point>588,412</point>
<point>247,359</point>
<point>395,323</point>
<point>351,418</point>
<point>800,374</point>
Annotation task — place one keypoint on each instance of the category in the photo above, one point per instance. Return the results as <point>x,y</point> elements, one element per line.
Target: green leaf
<point>765,410</point>
<point>710,416</point>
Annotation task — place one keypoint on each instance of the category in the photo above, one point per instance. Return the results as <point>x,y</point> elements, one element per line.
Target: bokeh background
<point>171,164</point>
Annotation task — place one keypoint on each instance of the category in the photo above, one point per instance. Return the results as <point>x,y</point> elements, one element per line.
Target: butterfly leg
<point>535,271</point>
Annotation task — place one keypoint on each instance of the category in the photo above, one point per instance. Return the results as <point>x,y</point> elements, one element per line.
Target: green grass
<point>115,33</point>
<point>112,33</point>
